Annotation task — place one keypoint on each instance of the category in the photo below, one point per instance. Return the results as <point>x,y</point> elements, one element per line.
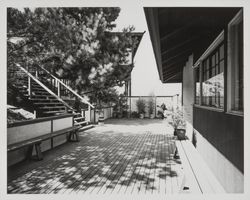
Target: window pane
<point>221,66</point>
<point>213,71</point>
<point>222,52</point>
<point>213,81</point>
<point>197,85</point>
<point>217,69</point>
<point>213,60</point>
<point>217,57</point>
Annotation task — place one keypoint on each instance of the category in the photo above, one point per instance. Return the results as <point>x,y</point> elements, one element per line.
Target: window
<point>213,78</point>
<point>235,64</point>
<point>197,85</point>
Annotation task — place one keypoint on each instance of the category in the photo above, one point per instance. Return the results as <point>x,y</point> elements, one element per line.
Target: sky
<point>145,77</point>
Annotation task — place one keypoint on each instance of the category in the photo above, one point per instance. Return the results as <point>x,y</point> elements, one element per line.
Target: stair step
<point>79,118</point>
<point>41,92</point>
<point>84,128</point>
<point>52,107</point>
<point>81,123</point>
<point>54,112</point>
<point>21,86</point>
<point>38,89</point>
<point>38,96</point>
<point>45,100</point>
<point>49,103</point>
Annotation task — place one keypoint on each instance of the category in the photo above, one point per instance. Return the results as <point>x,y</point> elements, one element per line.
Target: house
<point>202,48</point>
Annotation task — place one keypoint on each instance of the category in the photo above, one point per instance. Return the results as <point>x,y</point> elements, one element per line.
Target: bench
<point>198,178</point>
<point>72,136</point>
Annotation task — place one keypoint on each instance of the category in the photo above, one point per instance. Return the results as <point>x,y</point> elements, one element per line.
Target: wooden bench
<point>198,178</point>
<point>36,142</point>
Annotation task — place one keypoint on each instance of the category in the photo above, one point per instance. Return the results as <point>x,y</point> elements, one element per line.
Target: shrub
<point>151,105</point>
<point>135,114</point>
<point>141,105</point>
<point>178,119</point>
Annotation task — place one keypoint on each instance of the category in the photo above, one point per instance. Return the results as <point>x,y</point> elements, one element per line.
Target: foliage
<point>135,114</point>
<point>178,120</point>
<point>163,106</point>
<point>121,105</point>
<point>151,105</point>
<point>73,43</point>
<point>105,96</point>
<point>141,105</point>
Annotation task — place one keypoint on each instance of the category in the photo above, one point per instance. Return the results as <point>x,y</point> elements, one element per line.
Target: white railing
<point>57,84</point>
<point>30,76</point>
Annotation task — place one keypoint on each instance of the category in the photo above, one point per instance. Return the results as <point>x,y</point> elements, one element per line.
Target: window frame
<point>199,64</point>
<point>209,64</point>
<point>233,65</point>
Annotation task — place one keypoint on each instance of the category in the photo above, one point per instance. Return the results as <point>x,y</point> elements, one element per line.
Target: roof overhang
<point>137,35</point>
<point>178,32</point>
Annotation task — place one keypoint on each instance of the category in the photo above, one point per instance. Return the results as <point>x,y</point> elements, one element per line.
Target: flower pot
<point>180,133</point>
<point>101,120</point>
<point>141,115</point>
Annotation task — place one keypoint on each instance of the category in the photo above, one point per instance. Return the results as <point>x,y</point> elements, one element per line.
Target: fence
<point>171,102</point>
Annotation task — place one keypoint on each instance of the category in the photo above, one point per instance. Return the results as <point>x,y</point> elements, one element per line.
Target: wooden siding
<point>224,131</point>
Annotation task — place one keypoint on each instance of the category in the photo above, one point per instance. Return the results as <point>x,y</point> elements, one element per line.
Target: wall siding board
<point>227,137</point>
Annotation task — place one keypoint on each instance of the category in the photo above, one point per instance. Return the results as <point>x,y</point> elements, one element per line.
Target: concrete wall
<point>188,95</point>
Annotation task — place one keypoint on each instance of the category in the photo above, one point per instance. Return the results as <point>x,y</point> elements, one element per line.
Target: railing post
<point>82,113</point>
<point>87,114</point>
<point>36,73</point>
<point>58,89</point>
<point>29,87</point>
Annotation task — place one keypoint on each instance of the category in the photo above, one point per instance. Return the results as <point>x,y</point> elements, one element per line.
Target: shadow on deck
<point>122,156</point>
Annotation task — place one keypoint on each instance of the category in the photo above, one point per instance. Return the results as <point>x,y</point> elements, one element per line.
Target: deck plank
<point>83,167</point>
<point>129,177</point>
<point>111,159</point>
<point>111,174</point>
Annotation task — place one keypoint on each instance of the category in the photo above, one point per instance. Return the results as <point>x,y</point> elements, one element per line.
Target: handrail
<point>67,87</point>
<point>42,85</point>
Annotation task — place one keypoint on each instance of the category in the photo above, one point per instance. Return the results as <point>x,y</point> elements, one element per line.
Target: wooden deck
<point>122,156</point>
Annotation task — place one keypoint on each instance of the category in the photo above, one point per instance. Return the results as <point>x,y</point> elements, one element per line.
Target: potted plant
<point>151,107</point>
<point>179,125</point>
<point>141,105</point>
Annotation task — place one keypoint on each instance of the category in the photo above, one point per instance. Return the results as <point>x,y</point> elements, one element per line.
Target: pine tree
<point>73,43</point>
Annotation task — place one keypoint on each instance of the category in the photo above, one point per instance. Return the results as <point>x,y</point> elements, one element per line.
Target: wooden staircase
<point>44,91</point>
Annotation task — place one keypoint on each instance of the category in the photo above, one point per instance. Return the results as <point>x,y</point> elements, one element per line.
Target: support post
<point>58,89</point>
<point>82,113</point>
<point>29,87</point>
<point>36,73</point>
<point>87,114</point>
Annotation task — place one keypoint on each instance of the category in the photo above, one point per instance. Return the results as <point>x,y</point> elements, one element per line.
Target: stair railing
<point>31,77</point>
<point>57,85</point>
